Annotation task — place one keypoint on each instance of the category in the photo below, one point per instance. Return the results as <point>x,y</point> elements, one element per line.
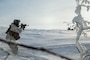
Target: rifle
<point>23,25</point>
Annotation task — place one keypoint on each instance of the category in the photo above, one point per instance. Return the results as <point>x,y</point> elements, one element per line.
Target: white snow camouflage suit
<point>9,37</point>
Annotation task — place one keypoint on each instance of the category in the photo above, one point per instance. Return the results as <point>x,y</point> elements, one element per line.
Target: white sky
<point>40,14</point>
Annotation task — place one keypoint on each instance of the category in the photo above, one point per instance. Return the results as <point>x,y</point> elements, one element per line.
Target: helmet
<point>16,22</point>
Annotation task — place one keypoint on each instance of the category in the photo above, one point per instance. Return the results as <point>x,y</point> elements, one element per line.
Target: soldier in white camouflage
<point>13,34</point>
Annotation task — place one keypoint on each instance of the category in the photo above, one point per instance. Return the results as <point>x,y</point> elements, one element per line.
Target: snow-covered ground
<point>59,41</point>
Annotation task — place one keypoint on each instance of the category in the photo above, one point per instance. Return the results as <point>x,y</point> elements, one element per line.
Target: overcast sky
<point>40,14</point>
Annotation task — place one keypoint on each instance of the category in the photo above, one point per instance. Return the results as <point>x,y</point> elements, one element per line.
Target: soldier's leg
<point>14,48</point>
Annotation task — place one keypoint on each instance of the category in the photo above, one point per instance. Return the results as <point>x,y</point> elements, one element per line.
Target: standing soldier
<point>13,34</point>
